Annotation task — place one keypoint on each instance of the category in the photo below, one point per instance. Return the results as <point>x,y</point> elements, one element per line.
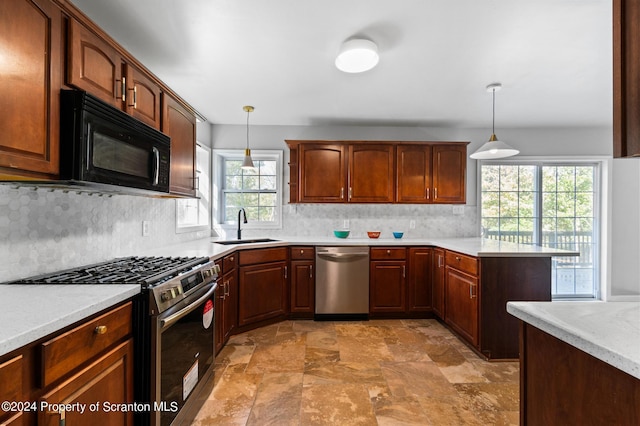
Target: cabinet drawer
<point>461,262</point>
<point>229,262</point>
<point>303,253</point>
<point>249,257</point>
<point>69,350</point>
<point>11,379</point>
<point>388,253</point>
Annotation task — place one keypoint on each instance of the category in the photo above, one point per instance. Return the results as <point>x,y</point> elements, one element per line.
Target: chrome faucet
<point>244,214</point>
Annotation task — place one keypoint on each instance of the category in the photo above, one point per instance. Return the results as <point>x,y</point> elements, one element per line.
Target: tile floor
<point>378,372</point>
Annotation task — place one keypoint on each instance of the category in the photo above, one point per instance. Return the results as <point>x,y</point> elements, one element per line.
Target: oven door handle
<point>172,319</point>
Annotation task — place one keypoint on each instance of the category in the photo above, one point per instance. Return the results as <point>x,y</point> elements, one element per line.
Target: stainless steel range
<point>174,330</point>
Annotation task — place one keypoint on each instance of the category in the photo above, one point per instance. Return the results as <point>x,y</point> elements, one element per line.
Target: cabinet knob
<point>101,329</point>
<point>389,252</point>
<point>301,251</point>
<point>458,258</point>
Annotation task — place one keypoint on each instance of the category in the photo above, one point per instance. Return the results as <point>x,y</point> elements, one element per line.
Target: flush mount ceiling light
<point>357,55</point>
<point>494,148</point>
<point>247,163</point>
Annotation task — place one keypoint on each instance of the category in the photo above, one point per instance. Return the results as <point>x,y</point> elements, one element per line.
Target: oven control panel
<point>169,293</point>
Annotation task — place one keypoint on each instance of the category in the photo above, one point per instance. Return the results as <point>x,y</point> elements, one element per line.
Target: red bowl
<point>373,234</point>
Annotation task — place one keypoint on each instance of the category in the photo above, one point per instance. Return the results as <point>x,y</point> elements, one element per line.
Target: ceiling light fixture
<point>247,163</point>
<point>494,148</point>
<point>357,55</point>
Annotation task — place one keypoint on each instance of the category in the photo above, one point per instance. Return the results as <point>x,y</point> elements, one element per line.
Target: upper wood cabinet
<point>377,172</point>
<point>180,125</point>
<point>371,175</point>
<point>626,78</point>
<point>96,66</point>
<point>29,85</point>
<point>431,173</point>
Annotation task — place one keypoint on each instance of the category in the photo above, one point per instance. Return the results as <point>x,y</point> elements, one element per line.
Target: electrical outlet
<point>146,225</point>
<point>412,224</point>
<point>345,224</point>
<point>458,210</point>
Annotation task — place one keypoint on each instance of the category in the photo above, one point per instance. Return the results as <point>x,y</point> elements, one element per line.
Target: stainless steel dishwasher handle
<point>342,256</point>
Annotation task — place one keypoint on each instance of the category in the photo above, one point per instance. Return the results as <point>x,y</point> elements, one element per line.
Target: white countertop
<point>30,312</point>
<point>609,331</point>
<point>479,247</point>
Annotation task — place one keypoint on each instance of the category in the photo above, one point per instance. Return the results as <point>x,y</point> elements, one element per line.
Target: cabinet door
<point>323,175</point>
<point>371,174</point>
<point>413,166</point>
<point>420,274</point>
<point>108,379</point>
<point>262,292</point>
<point>94,65</point>
<point>230,313</point>
<point>30,82</point>
<point>449,174</point>
<point>180,124</point>
<point>142,99</point>
<point>303,287</point>
<point>462,304</point>
<point>626,78</point>
<point>387,281</point>
<point>438,283</point>
<point>219,317</point>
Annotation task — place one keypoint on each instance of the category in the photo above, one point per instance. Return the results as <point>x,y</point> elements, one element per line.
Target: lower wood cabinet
<point>387,281</point>
<point>562,385</point>
<point>90,362</point>
<point>303,282</point>
<point>437,283</point>
<point>107,380</point>
<point>227,301</point>
<point>262,286</point>
<point>461,303</point>
<point>419,298</point>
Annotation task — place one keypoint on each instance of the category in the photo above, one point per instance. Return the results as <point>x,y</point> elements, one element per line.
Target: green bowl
<point>341,234</point>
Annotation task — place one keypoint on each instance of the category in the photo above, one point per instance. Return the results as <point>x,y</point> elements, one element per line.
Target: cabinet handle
<point>435,193</point>
<point>342,193</point>
<point>310,271</point>
<point>62,415</point>
<point>101,329</point>
<point>350,192</point>
<point>471,294</point>
<point>389,252</point>
<point>440,263</point>
<point>135,97</point>
<point>404,270</point>
<point>458,258</point>
<point>226,289</point>
<point>427,193</point>
<point>285,272</point>
<point>301,252</point>
<point>123,89</point>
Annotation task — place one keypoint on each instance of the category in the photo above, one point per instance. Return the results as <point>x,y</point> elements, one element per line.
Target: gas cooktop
<point>147,271</point>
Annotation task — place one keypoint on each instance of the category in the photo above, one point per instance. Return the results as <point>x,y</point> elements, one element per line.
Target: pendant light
<point>247,163</point>
<point>494,148</point>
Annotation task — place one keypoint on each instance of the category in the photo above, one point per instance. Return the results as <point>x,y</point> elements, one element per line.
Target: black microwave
<point>103,147</point>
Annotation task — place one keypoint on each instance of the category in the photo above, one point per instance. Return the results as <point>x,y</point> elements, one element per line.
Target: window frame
<point>180,229</point>
<point>219,156</point>
<point>599,209</point>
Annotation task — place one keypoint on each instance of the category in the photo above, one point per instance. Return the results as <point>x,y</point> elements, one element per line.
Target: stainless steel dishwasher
<point>342,283</point>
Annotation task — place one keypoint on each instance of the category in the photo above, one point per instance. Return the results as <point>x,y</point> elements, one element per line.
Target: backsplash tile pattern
<point>44,230</point>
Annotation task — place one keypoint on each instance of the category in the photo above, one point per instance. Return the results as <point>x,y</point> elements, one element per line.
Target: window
<point>258,191</point>
<point>549,204</point>
<point>192,214</point>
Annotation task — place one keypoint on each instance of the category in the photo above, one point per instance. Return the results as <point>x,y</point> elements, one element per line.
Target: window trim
<point>602,200</point>
<point>208,225</point>
<point>219,155</point>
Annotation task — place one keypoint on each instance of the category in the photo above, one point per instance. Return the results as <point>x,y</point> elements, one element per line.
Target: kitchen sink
<point>256,240</point>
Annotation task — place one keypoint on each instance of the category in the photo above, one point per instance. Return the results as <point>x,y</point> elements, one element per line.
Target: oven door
<point>184,349</point>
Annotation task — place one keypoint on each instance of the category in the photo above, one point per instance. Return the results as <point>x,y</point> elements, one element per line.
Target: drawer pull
<point>101,329</point>
<point>458,258</point>
<point>301,252</point>
<point>389,252</point>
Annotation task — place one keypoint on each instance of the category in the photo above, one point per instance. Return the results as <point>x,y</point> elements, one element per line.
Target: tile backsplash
<point>45,230</point>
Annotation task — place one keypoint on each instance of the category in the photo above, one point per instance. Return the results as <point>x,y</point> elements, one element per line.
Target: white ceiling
<point>553,58</point>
